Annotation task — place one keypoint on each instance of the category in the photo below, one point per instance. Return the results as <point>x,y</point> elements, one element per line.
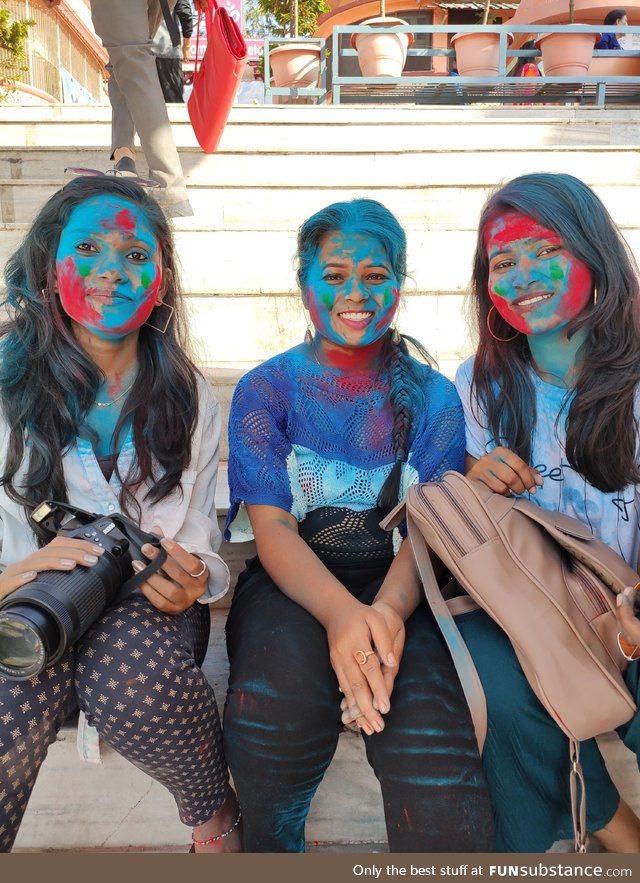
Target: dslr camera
<point>39,621</point>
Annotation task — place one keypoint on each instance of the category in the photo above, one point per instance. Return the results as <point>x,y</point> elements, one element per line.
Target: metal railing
<point>295,92</point>
<point>502,88</point>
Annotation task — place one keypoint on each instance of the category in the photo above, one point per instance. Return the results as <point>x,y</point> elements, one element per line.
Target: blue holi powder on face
<point>108,266</point>
<point>344,274</point>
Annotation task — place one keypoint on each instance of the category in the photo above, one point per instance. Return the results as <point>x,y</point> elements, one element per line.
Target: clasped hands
<point>365,646</point>
<point>174,588</point>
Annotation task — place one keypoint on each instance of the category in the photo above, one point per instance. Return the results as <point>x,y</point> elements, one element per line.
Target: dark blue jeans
<point>282,721</point>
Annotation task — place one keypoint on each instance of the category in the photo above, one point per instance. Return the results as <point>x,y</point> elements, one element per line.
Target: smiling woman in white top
<point>102,409</point>
<point>551,412</point>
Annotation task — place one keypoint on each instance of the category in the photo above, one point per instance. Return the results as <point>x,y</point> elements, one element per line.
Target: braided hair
<point>408,397</point>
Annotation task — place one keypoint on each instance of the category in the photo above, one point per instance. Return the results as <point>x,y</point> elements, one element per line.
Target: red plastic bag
<point>216,79</point>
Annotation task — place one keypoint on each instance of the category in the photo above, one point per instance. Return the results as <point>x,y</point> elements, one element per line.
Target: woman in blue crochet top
<point>324,440</point>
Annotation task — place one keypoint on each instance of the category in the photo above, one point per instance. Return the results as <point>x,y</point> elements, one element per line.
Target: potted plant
<point>478,53</point>
<point>567,55</point>
<point>382,54</point>
<point>294,64</point>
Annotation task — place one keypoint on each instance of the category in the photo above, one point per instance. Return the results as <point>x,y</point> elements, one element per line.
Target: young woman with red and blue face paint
<point>551,411</point>
<point>102,407</point>
<point>323,440</point>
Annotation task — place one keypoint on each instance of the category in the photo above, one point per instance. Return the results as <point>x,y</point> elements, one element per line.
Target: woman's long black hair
<point>48,383</point>
<point>601,429</point>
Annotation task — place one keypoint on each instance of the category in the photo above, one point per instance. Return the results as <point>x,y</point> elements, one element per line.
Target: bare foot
<point>224,829</point>
<point>622,833</point>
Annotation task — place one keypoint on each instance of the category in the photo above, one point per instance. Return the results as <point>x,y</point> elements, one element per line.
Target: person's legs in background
<point>125,28</point>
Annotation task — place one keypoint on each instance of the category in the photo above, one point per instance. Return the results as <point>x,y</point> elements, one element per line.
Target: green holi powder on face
<point>84,270</point>
<point>500,289</point>
<point>556,271</point>
<point>145,279</point>
<point>387,299</point>
<point>327,300</point>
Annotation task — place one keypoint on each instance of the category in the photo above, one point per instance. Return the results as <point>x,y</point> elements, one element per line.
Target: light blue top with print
<point>613,517</point>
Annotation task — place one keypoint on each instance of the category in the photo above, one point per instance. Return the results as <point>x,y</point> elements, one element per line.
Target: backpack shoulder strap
<point>469,678</point>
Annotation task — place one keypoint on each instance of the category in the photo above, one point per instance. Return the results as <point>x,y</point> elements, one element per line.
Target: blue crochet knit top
<point>304,436</point>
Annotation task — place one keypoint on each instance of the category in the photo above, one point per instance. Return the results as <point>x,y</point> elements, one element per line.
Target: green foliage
<point>12,50</point>
<point>278,15</point>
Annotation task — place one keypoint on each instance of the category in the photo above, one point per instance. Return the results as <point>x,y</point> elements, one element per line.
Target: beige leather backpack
<point>548,583</point>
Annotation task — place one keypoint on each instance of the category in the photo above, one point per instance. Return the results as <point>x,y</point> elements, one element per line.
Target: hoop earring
<point>396,337</point>
<point>490,330</point>
<point>162,329</point>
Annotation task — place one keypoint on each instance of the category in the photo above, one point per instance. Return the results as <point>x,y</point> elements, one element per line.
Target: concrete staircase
<point>276,165</point>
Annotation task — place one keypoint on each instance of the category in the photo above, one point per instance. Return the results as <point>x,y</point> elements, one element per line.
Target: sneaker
<point>125,167</point>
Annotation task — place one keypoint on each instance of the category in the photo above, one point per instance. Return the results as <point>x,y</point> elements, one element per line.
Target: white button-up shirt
<point>188,514</point>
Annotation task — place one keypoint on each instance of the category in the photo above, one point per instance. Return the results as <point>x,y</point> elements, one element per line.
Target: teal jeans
<point>526,756</point>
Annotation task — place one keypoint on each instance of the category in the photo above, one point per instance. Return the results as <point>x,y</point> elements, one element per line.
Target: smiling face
<point>534,282</point>
<point>351,291</point>
<point>108,267</point>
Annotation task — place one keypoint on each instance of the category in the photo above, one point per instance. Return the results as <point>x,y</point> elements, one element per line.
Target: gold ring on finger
<point>362,656</point>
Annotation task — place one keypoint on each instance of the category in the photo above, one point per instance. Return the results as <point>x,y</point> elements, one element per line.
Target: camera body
<point>39,621</point>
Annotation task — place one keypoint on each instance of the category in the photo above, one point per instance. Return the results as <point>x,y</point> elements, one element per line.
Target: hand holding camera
<point>50,599</point>
<point>62,553</point>
<point>180,581</point>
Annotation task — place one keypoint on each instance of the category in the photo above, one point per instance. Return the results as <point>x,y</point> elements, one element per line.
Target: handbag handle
<point>208,19</point>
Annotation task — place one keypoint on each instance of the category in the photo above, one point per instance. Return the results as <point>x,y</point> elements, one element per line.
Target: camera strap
<point>137,579</point>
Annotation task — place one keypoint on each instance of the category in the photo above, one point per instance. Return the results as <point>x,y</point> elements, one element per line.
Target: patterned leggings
<point>136,676</point>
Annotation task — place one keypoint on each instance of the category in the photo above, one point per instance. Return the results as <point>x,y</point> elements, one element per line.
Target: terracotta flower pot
<point>478,54</point>
<point>295,64</point>
<point>566,55</point>
<point>382,55</point>
<point>614,67</point>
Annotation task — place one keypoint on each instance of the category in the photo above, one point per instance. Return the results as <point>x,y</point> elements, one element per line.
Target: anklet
<point>218,837</point>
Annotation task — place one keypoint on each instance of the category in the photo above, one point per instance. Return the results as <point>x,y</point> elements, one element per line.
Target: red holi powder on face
<point>578,291</point>
<point>145,309</point>
<point>73,294</point>
<point>508,227</point>
<point>123,221</point>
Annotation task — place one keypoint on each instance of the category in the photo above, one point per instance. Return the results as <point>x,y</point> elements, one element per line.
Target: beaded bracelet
<point>218,837</point>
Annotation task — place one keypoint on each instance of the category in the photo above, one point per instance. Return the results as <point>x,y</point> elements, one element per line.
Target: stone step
<point>600,165</point>
<point>243,263</point>
<point>444,206</point>
<point>264,128</point>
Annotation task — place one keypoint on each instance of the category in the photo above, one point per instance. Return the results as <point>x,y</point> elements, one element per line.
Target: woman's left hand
<point>629,624</point>
<point>351,712</point>
<point>179,583</point>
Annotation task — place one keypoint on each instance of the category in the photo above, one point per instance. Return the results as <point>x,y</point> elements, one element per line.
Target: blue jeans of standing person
<point>282,722</point>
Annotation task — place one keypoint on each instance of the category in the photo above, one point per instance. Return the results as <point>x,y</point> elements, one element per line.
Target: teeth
<point>534,300</point>
<point>355,317</point>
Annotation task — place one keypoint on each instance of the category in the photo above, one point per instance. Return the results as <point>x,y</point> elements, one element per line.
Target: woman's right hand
<point>503,472</point>
<point>62,553</point>
<point>359,630</point>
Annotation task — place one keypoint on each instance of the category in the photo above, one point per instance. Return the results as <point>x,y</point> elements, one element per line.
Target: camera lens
<point>26,641</point>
